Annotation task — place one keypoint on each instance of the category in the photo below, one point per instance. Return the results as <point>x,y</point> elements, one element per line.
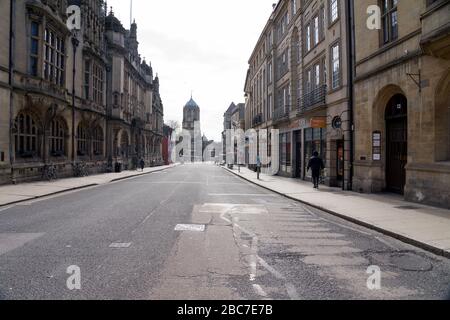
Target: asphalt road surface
<point>239,242</point>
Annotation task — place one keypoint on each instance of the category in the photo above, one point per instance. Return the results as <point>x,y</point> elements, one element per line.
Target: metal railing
<point>313,98</point>
<point>281,113</point>
<point>257,120</point>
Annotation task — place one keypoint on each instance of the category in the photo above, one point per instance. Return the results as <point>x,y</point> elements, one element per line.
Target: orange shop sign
<point>318,123</point>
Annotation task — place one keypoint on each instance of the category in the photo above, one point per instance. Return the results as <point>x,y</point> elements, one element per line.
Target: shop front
<point>315,140</point>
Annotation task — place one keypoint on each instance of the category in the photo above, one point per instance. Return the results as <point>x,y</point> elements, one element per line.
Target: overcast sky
<point>199,45</point>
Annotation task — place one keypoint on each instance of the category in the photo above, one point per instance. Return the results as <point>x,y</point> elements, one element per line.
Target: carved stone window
<point>27,136</point>
<point>57,138</point>
<point>82,140</point>
<point>54,57</point>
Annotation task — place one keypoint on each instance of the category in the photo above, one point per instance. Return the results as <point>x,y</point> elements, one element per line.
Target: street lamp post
<point>75,43</point>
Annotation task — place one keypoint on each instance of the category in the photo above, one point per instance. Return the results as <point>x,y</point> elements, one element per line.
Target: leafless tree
<point>175,125</point>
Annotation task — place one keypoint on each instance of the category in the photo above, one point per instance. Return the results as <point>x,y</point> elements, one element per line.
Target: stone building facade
<point>135,128</point>
<point>402,100</point>
<point>297,83</point>
<point>42,123</point>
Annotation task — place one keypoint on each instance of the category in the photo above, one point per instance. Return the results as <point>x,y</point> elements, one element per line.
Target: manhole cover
<point>410,262</point>
<point>190,227</point>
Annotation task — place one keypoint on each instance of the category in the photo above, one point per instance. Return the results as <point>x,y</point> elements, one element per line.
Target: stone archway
<point>380,123</point>
<point>124,144</point>
<point>442,119</point>
<point>396,115</point>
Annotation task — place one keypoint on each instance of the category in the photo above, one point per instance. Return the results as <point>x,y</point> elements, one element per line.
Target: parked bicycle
<point>49,173</point>
<point>80,170</point>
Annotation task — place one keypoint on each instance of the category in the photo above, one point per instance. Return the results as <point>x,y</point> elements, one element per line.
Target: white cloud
<point>199,45</point>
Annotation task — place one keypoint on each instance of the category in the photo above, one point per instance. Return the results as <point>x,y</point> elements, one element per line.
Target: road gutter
<point>80,188</point>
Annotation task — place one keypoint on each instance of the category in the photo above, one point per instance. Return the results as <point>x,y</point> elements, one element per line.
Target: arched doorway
<point>442,120</point>
<point>396,143</point>
<point>124,145</point>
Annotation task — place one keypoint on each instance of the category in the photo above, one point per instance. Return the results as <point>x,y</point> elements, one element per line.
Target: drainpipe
<point>12,41</point>
<point>350,28</point>
<point>75,43</point>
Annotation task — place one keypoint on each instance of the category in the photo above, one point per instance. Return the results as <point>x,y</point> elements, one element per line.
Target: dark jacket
<point>316,165</point>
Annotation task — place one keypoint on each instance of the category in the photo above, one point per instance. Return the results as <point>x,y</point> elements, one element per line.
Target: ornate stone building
<point>136,115</point>
<point>5,88</point>
<point>402,100</point>
<point>42,124</point>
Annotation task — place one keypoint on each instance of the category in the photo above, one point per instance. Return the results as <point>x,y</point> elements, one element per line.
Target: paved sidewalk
<point>420,225</point>
<point>10,194</point>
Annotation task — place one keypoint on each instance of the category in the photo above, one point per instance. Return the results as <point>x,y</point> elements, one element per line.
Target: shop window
<point>315,140</point>
<point>285,151</point>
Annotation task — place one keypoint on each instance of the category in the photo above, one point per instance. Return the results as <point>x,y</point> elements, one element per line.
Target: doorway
<point>340,162</point>
<point>298,154</point>
<point>396,143</point>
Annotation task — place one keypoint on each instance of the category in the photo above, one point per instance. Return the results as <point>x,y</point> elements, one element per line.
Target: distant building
<point>167,145</point>
<point>191,126</point>
<point>234,119</point>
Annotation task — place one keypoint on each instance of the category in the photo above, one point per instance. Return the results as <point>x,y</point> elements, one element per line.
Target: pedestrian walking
<point>142,164</point>
<point>316,165</point>
<point>258,166</point>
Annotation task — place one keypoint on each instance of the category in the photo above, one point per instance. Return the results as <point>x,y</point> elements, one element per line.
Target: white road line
<point>190,227</point>
<point>253,259</point>
<point>290,288</point>
<point>222,216</point>
<point>292,291</point>
<point>118,245</point>
<point>386,243</point>
<point>6,208</point>
<point>274,272</point>
<point>259,291</point>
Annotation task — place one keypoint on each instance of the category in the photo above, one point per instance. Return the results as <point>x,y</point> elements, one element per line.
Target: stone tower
<point>191,126</point>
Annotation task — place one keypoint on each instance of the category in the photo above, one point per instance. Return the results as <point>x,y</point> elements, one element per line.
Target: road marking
<point>290,288</point>
<point>387,243</point>
<point>259,291</point>
<point>222,216</point>
<point>190,227</point>
<point>118,245</point>
<point>13,241</point>
<point>6,208</point>
<point>253,259</point>
<point>336,223</point>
